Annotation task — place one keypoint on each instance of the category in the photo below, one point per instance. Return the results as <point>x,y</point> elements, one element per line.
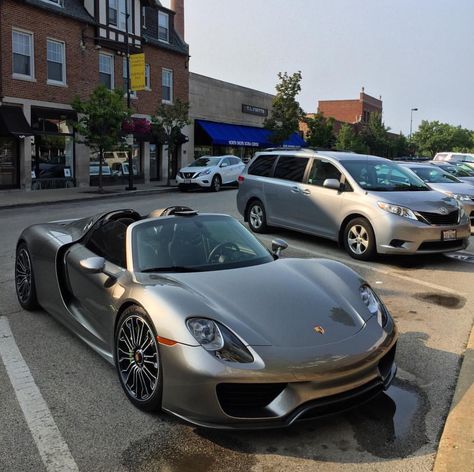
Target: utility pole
<point>411,119</point>
<point>127,45</point>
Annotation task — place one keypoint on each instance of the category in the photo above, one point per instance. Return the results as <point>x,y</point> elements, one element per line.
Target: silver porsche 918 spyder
<point>201,320</point>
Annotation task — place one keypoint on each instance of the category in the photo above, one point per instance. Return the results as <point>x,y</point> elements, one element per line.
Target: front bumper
<point>203,181</point>
<point>398,235</point>
<point>296,384</point>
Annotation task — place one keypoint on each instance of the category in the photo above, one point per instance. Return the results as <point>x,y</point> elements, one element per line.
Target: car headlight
<point>204,172</point>
<point>374,304</point>
<point>462,197</point>
<point>397,210</point>
<point>218,340</point>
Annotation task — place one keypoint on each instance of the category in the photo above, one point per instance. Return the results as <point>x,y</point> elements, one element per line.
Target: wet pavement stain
<point>179,448</point>
<point>393,424</point>
<point>447,301</point>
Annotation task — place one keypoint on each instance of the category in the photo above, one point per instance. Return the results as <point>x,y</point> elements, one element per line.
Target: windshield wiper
<point>170,269</point>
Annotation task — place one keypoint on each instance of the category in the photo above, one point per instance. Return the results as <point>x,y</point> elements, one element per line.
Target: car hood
<point>196,169</point>
<point>462,188</point>
<point>429,201</point>
<point>278,303</point>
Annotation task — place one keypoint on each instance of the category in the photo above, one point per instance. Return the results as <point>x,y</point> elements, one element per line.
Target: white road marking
<point>372,268</point>
<point>53,449</point>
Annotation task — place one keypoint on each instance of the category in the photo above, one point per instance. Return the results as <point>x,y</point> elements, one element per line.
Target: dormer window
<point>163,27</point>
<point>118,14</point>
<point>113,12</point>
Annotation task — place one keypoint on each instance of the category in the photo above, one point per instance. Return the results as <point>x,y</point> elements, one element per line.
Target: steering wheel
<point>220,249</point>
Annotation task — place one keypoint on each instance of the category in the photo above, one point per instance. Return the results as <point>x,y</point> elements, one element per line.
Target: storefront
<point>53,148</point>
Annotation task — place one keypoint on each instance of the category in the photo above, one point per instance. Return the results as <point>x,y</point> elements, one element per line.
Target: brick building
<point>54,50</point>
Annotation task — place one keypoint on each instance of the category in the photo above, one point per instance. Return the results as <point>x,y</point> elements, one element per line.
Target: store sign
<point>252,110</point>
<point>137,72</point>
<point>244,143</point>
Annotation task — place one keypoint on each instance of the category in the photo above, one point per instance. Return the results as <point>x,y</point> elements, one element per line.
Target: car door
<point>226,170</point>
<point>283,192</point>
<point>237,167</point>
<point>93,294</point>
<point>320,206</point>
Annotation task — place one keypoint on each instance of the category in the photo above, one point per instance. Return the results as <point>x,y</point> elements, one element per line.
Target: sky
<point>414,53</point>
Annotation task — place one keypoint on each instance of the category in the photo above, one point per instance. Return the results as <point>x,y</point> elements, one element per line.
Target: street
<point>430,297</point>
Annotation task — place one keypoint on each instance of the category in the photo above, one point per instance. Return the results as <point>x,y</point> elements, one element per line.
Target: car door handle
<point>306,192</point>
<point>295,189</point>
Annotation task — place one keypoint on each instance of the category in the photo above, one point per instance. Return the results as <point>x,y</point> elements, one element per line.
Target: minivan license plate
<point>449,235</point>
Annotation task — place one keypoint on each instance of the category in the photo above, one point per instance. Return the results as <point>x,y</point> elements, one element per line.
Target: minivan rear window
<point>262,166</point>
<point>291,168</point>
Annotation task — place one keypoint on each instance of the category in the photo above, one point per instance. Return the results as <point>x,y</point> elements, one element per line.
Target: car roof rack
<point>285,148</point>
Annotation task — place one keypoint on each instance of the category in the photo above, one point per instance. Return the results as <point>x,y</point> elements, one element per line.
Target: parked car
<point>454,157</point>
<point>443,181</point>
<point>201,320</point>
<point>368,204</point>
<point>462,170</point>
<point>210,172</point>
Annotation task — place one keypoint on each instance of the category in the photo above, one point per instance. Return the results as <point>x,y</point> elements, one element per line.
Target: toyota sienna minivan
<point>367,204</point>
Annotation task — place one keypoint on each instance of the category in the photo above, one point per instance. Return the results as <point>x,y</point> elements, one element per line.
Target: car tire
<point>359,239</point>
<point>131,359</point>
<point>25,278</point>
<point>257,217</point>
<point>216,183</point>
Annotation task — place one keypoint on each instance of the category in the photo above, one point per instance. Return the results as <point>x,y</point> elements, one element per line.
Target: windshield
<point>464,170</point>
<point>205,162</point>
<point>381,176</point>
<point>433,175</point>
<point>193,244</point>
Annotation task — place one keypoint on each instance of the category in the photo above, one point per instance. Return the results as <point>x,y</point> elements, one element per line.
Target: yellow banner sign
<point>137,72</point>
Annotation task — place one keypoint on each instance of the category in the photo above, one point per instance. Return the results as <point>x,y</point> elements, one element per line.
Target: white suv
<point>454,157</point>
<point>210,172</point>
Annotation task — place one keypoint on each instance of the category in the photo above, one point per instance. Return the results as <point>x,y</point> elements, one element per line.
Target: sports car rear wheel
<point>25,279</point>
<point>137,358</point>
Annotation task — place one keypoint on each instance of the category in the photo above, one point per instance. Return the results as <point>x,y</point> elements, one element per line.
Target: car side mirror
<point>278,245</point>
<point>93,265</point>
<point>224,164</point>
<point>332,183</point>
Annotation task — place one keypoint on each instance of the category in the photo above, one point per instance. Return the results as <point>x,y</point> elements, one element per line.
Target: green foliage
<point>100,121</point>
<point>320,131</point>
<point>167,124</point>
<point>348,140</point>
<point>433,136</point>
<point>375,136</point>
<point>286,111</point>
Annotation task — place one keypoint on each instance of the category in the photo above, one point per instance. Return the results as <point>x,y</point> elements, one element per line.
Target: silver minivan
<point>367,204</point>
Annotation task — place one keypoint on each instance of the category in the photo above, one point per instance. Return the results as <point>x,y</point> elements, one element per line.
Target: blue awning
<point>224,134</point>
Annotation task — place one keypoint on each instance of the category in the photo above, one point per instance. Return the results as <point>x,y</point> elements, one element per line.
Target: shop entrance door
<point>155,161</point>
<point>9,163</point>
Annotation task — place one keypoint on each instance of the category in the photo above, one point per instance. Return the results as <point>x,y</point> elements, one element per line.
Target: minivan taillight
<point>240,179</point>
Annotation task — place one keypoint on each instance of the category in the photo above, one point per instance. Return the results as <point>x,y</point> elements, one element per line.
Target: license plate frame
<point>449,235</point>
<point>187,181</point>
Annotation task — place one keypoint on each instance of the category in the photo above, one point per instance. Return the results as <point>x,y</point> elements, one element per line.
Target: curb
<point>81,198</point>
<point>456,447</point>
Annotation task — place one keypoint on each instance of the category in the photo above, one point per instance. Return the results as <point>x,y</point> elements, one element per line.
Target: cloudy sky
<point>414,53</point>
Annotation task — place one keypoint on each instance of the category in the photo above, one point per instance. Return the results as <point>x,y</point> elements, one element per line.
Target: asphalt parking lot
<point>430,297</point>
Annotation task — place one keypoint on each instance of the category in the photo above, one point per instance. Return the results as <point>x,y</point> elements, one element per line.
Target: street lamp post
<point>411,119</point>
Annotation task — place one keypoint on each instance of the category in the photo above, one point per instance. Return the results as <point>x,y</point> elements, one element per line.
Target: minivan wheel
<point>216,183</point>
<point>256,217</point>
<point>359,239</point>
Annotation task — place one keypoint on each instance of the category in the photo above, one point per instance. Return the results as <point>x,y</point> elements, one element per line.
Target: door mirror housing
<point>224,164</point>
<point>93,265</point>
<point>278,245</point>
<point>332,183</point>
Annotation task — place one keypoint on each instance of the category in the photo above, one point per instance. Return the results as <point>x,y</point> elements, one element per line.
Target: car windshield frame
<point>207,228</point>
<point>448,177</point>
<point>201,162</point>
<point>355,168</point>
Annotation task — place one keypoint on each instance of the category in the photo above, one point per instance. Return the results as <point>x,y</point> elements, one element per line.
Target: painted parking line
<point>53,450</point>
<point>361,265</point>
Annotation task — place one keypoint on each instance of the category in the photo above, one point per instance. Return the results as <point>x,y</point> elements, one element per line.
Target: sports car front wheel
<point>137,358</point>
<point>24,278</point>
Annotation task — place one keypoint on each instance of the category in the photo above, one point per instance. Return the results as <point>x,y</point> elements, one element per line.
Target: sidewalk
<point>22,198</point>
<point>456,447</point>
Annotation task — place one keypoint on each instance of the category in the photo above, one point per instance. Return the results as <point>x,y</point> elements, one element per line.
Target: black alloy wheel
<point>216,183</point>
<point>25,279</point>
<point>137,359</point>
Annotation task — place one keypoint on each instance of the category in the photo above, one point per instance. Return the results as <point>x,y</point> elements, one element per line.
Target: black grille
<point>441,245</point>
<point>385,364</point>
<point>188,175</point>
<point>247,400</point>
<point>439,219</point>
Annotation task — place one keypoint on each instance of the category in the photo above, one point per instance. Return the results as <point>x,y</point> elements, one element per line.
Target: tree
<point>286,111</point>
<point>168,122</point>
<point>348,140</point>
<point>375,136</point>
<point>320,131</point>
<point>433,136</point>
<point>100,121</point>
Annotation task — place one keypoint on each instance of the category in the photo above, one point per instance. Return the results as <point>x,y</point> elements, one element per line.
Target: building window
<point>23,60</point>
<point>147,77</point>
<point>125,5</point>
<point>125,80</point>
<point>113,12</point>
<point>106,70</point>
<point>163,27</point>
<point>59,3</point>
<point>167,86</point>
<point>56,62</point>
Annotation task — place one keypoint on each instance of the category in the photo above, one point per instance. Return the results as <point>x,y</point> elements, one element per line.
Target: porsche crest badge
<point>319,329</point>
